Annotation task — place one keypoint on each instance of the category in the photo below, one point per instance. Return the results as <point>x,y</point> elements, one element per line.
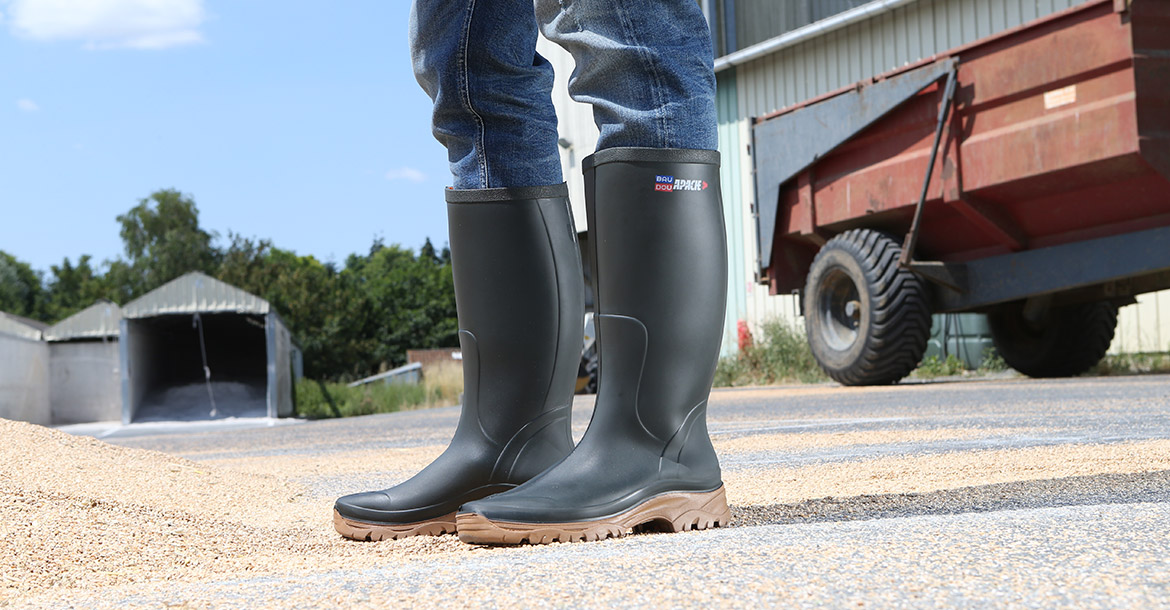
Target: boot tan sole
<point>673,512</point>
<point>373,532</point>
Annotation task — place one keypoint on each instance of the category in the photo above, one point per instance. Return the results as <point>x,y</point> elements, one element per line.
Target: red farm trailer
<point>1026,176</point>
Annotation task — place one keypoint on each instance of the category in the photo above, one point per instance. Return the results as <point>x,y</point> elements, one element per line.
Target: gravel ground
<point>1012,493</point>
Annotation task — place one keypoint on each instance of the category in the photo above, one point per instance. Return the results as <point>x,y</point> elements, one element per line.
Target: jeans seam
<point>652,69</point>
<point>465,97</point>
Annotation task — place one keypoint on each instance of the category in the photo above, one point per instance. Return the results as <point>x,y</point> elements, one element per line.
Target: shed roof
<point>194,293</point>
<point>97,321</point>
<point>18,326</point>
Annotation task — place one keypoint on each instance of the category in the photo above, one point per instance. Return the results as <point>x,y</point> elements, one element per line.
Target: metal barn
<point>84,381</point>
<point>197,348</point>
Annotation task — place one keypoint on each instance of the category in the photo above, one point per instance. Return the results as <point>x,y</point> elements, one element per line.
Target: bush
<point>780,355</point>
<point>321,400</point>
<point>992,362</point>
<point>937,367</point>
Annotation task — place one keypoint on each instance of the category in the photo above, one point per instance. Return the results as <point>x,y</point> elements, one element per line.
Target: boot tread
<point>671,512</point>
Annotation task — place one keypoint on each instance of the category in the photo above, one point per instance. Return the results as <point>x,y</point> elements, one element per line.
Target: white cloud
<point>27,105</point>
<point>406,173</point>
<point>104,24</point>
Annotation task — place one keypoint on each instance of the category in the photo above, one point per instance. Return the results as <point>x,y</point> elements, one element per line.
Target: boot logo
<point>668,184</point>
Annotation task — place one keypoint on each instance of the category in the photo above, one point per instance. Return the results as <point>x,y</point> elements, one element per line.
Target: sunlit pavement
<point>999,493</point>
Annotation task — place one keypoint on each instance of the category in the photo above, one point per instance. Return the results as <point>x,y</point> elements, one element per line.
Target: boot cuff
<point>650,155</point>
<point>519,193</point>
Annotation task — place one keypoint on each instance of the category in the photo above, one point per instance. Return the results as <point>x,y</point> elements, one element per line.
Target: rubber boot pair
<point>658,253</point>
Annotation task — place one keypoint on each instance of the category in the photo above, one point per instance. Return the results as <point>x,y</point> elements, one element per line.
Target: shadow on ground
<point>1047,493</point>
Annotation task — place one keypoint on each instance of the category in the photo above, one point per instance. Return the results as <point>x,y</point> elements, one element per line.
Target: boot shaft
<point>519,294</point>
<point>658,249</point>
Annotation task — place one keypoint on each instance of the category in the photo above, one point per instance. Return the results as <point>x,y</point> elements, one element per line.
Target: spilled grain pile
<point>77,513</point>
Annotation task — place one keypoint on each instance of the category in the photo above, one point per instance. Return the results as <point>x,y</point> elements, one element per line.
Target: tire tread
<point>1077,338</point>
<point>900,314</point>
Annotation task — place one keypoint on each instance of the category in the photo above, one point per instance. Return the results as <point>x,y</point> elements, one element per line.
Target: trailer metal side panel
<point>1060,134</point>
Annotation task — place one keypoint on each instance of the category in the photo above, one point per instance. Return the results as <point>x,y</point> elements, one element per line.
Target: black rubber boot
<point>520,298</point>
<point>659,257</point>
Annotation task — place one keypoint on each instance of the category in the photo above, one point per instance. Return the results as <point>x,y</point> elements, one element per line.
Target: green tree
<point>162,240</point>
<point>21,292</point>
<point>71,288</point>
<point>410,301</point>
<point>326,322</point>
<point>427,252</point>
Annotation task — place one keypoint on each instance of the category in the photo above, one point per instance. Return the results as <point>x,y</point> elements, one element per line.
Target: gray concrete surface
<point>1019,532</point>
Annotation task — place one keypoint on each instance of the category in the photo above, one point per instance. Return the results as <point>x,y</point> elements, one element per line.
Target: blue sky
<point>295,121</point>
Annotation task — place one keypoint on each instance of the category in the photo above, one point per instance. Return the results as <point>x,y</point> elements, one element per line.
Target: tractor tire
<point>1065,342</point>
<point>867,319</point>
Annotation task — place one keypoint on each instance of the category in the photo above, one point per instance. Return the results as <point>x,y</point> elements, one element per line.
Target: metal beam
<point>1021,275</point>
<point>808,32</point>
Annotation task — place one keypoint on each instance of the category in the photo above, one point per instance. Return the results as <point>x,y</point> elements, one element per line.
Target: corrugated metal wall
<point>85,384</point>
<point>759,20</point>
<point>280,367</point>
<point>575,127</point>
<point>1144,327</point>
<point>734,214</point>
<point>135,345</point>
<point>878,45</point>
<point>746,300</point>
<point>24,379</point>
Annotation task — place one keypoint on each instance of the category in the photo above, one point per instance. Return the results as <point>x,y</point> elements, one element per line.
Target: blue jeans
<point>644,65</point>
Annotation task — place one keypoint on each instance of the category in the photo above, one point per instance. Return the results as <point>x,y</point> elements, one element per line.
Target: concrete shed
<point>85,384</point>
<point>198,348</point>
<point>24,371</point>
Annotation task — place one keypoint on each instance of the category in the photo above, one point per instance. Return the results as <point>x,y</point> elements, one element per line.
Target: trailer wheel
<point>867,319</point>
<point>1064,342</point>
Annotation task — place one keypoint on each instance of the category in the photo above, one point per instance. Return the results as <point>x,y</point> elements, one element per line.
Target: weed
<point>992,362</point>
<point>319,400</point>
<point>780,355</point>
<point>936,367</point>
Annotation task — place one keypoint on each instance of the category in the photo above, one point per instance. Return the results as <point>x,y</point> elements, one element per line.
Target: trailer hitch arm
<point>944,112</point>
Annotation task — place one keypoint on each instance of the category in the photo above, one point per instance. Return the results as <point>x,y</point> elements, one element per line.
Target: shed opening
<point>168,356</point>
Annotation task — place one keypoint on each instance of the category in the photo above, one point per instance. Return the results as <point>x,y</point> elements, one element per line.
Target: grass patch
<point>1132,364</point>
<point>780,355</point>
<point>934,367</point>
<point>992,362</point>
<point>952,366</point>
<point>441,386</point>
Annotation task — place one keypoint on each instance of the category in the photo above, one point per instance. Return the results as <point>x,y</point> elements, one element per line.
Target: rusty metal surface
<point>789,144</point>
<point>1060,134</point>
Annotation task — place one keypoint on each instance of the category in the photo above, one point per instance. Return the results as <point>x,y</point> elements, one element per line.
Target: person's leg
<point>644,65</point>
<point>493,112</point>
<point>516,267</point>
<point>659,258</point>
